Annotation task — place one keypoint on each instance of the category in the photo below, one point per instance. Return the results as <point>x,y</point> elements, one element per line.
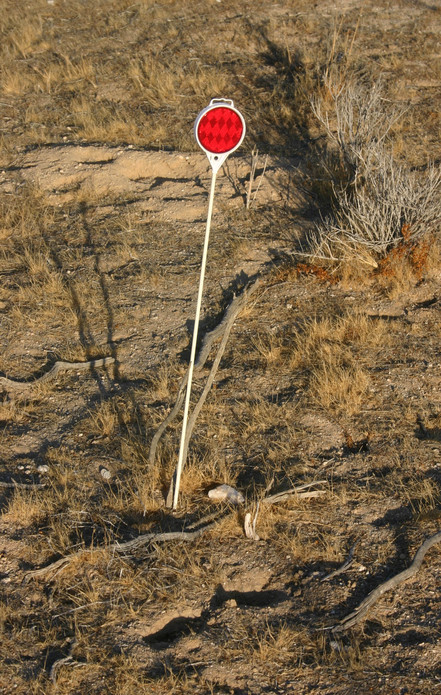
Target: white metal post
<point>194,342</point>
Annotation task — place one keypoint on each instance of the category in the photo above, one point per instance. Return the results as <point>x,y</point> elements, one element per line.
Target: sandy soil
<point>112,272</point>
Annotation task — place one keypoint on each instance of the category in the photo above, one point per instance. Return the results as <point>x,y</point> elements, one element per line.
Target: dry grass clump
<point>28,507</point>
<point>354,328</point>
<point>276,643</point>
<point>174,681</point>
<point>50,78</point>
<point>162,87</point>
<point>23,216</point>
<point>299,529</point>
<point>19,411</point>
<point>270,348</point>
<point>339,387</point>
<point>327,353</point>
<point>321,356</point>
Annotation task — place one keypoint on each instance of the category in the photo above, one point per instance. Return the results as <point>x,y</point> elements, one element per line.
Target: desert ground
<point>318,393</point>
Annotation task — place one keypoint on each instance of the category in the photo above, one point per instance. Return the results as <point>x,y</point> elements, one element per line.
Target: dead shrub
<point>375,198</point>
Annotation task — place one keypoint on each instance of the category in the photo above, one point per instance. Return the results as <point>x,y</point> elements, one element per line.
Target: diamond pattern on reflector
<point>220,130</point>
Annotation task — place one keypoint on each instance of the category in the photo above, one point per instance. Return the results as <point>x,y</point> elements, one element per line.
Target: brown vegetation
<point>330,377</point>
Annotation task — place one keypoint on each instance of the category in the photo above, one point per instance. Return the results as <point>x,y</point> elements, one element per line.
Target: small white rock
<point>226,493</point>
<point>43,468</point>
<point>105,473</point>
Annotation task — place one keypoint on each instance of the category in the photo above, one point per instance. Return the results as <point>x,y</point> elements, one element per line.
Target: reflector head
<point>219,130</point>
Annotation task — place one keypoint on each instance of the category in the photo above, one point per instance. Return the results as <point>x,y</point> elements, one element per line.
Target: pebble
<point>226,493</point>
<point>105,473</point>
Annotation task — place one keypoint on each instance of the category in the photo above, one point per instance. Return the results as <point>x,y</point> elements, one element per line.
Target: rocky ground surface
<point>328,380</point>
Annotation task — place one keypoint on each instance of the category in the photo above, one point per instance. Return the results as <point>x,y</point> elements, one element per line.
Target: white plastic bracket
<point>216,160</point>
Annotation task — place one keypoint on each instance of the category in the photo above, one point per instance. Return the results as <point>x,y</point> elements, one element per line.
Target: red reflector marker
<point>219,130</point>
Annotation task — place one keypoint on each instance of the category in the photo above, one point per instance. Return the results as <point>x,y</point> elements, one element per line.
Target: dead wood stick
<point>198,407</point>
<point>21,387</point>
<point>227,321</point>
<point>22,486</point>
<point>170,417</point>
<point>347,563</point>
<point>296,492</point>
<point>358,614</point>
<point>140,541</point>
<point>211,377</point>
<point>310,495</point>
<point>58,564</point>
<point>120,548</point>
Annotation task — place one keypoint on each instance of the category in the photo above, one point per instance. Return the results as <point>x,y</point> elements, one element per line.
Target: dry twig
<point>254,163</point>
<point>134,544</point>
<point>296,492</point>
<point>21,486</point>
<point>224,327</point>
<point>22,387</point>
<point>347,563</point>
<point>359,613</point>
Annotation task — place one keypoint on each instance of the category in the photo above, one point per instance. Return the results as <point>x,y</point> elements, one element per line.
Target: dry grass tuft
<point>27,508</point>
<point>325,351</point>
<point>339,388</point>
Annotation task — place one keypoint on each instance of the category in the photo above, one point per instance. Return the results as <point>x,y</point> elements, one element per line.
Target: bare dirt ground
<point>330,377</point>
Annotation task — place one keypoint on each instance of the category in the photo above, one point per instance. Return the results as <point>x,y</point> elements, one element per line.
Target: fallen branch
<point>21,486</point>
<point>347,563</point>
<point>128,546</point>
<point>22,387</point>
<point>227,323</point>
<point>358,614</point>
<point>64,661</point>
<point>140,541</point>
<point>57,565</point>
<point>296,492</point>
<point>223,327</point>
